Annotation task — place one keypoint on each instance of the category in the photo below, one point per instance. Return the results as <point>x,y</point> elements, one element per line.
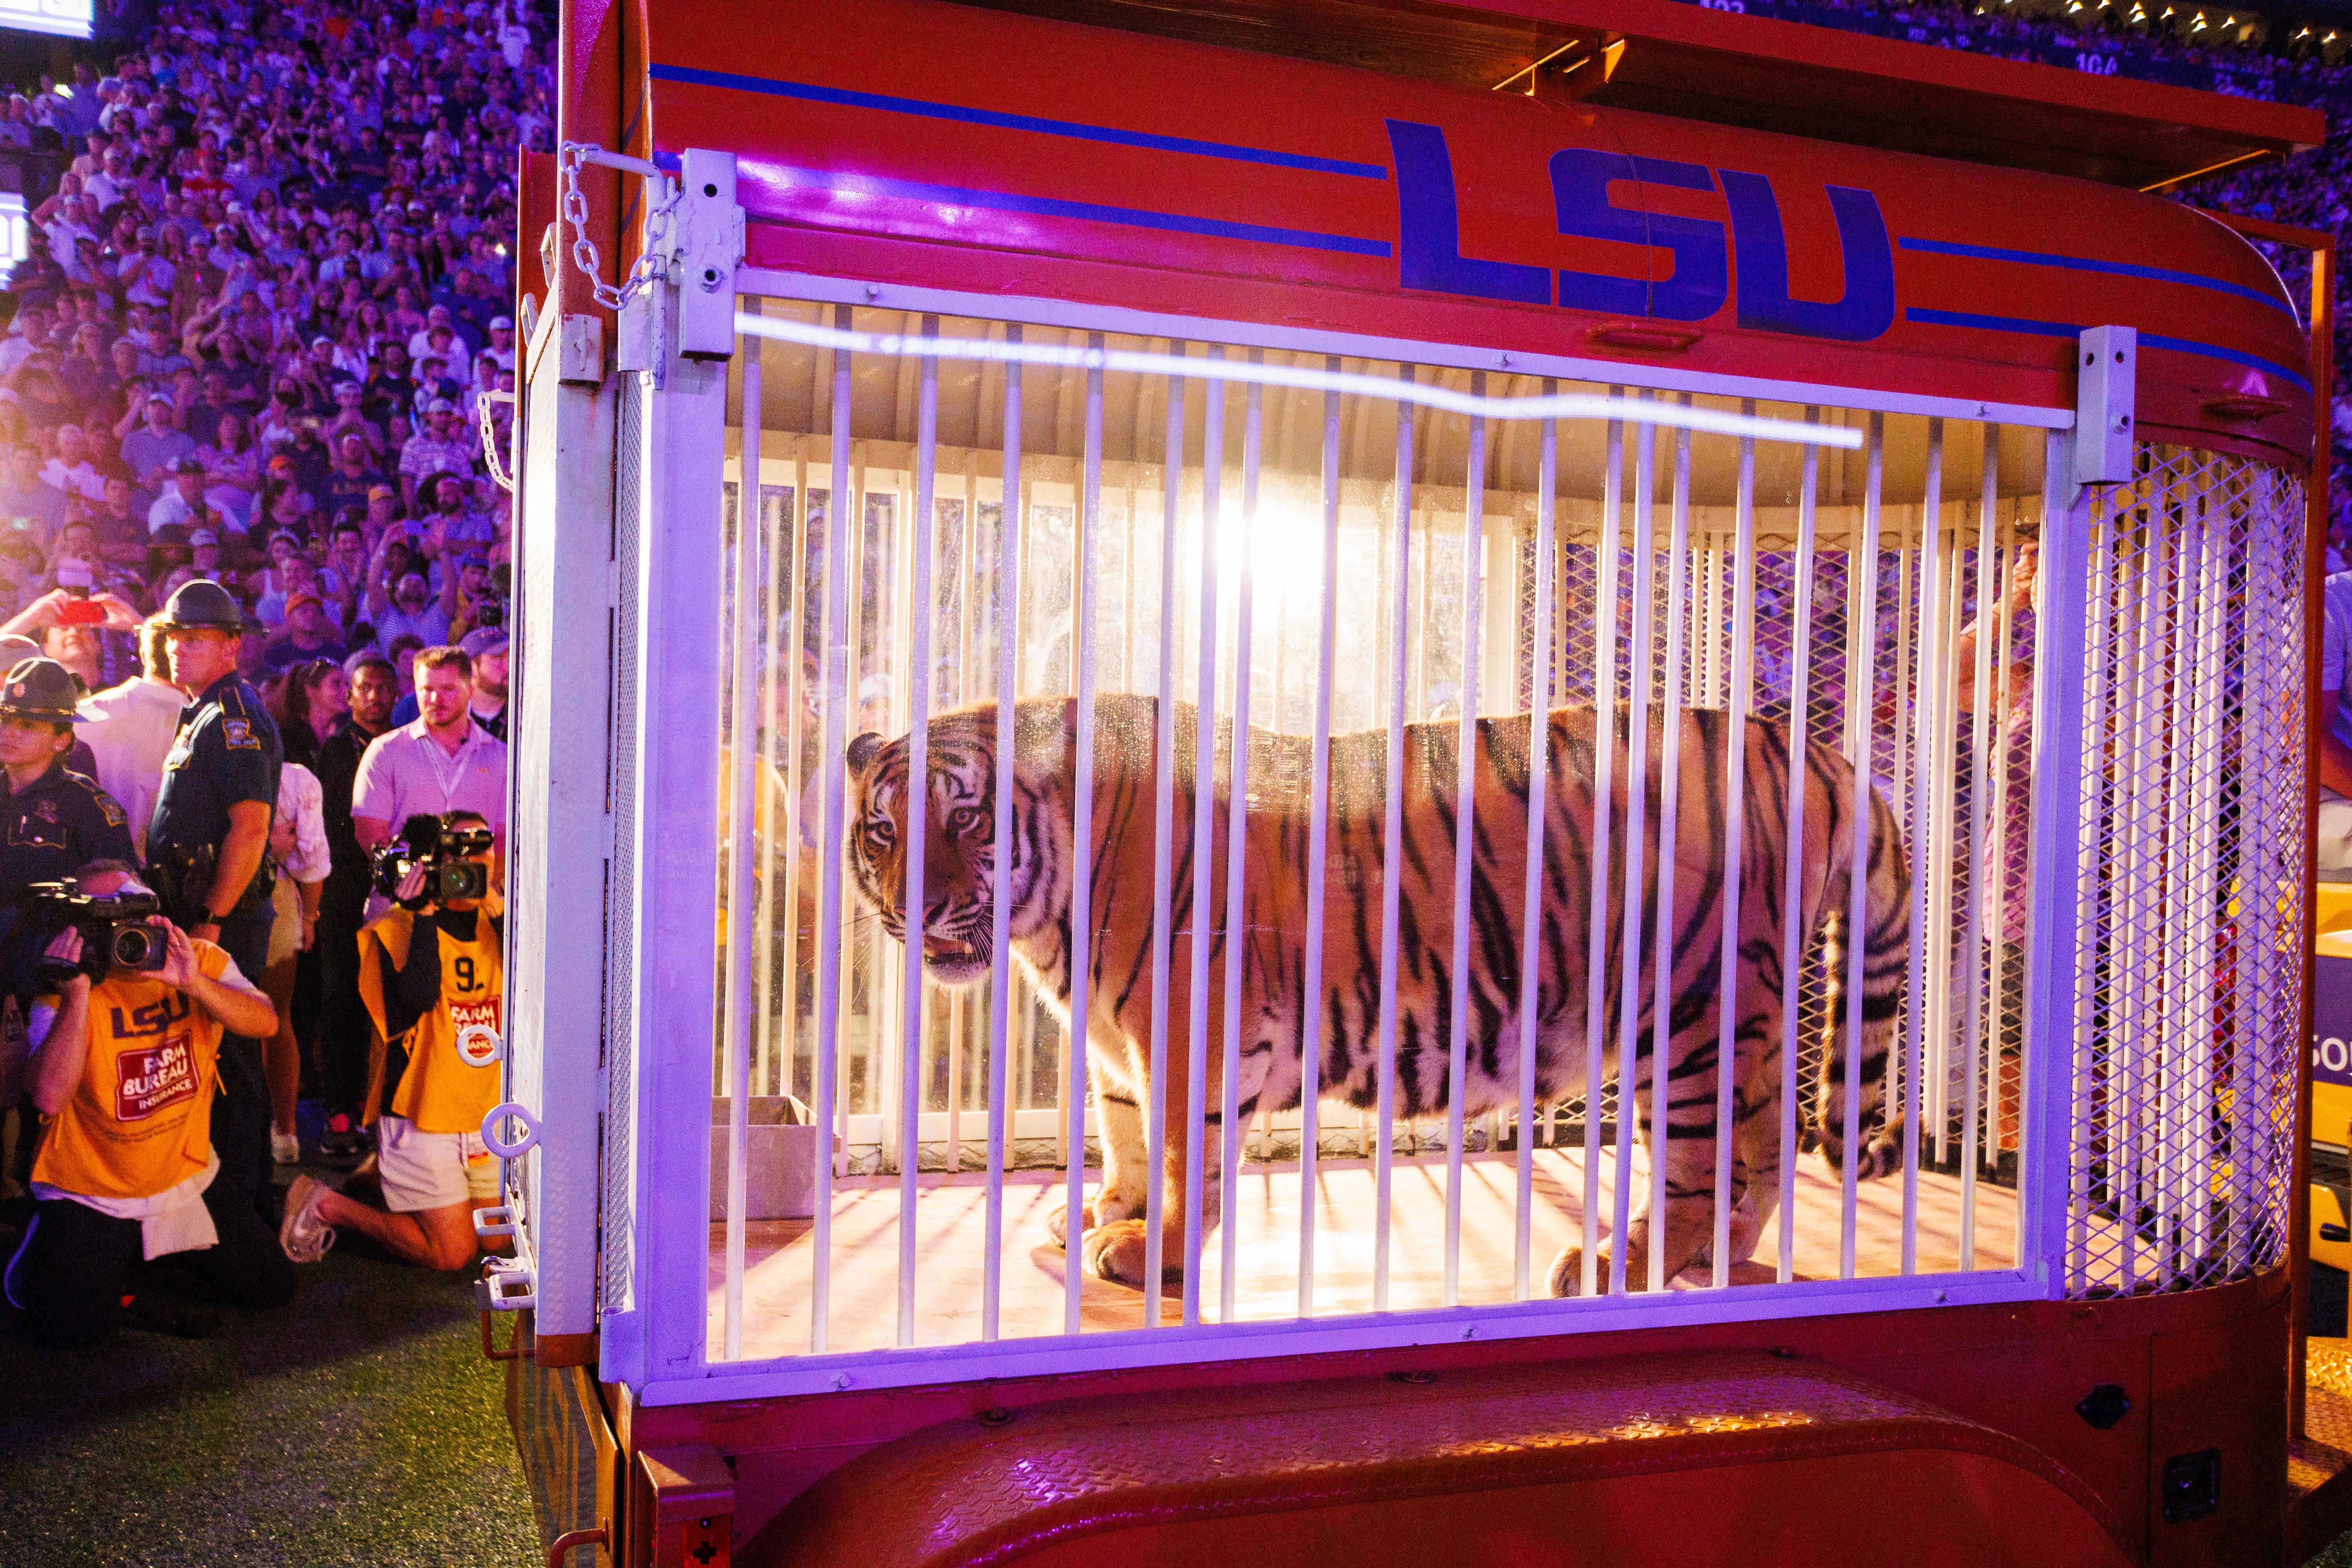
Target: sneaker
<point>303,1235</point>
<point>340,1140</point>
<point>286,1148</point>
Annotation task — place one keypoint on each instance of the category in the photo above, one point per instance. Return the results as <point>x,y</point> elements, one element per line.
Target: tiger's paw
<point>1101,1209</point>
<point>1057,1224</point>
<point>1566,1276</point>
<point>1117,1252</point>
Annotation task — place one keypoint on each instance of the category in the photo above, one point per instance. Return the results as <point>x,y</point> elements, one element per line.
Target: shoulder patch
<point>109,807</point>
<point>239,733</point>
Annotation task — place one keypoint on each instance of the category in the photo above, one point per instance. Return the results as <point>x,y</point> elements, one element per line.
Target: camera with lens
<point>441,847</point>
<point>115,933</point>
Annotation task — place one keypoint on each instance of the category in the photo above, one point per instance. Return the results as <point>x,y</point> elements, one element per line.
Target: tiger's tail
<point>1885,971</point>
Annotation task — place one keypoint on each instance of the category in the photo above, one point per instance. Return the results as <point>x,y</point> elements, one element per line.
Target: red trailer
<point>1908,520</point>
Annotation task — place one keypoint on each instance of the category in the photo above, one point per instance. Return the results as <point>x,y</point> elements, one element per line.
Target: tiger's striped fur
<point>961,860</point>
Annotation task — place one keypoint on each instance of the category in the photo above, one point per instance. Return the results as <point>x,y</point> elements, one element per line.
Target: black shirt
<point>338,769</point>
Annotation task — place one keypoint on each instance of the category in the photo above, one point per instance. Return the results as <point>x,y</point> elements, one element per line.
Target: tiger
<point>962,861</point>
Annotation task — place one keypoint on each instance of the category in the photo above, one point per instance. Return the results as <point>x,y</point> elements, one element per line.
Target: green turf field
<point>359,1425</point>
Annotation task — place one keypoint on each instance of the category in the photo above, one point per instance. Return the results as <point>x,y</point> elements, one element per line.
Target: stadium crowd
<point>261,341</point>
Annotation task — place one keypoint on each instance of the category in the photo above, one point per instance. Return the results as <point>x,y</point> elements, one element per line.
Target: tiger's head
<point>959,849</point>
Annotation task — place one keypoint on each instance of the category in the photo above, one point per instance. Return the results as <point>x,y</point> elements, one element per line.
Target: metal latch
<point>2106,362</point>
<point>707,230</point>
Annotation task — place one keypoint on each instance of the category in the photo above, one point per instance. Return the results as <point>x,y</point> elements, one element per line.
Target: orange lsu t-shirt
<point>141,1120</point>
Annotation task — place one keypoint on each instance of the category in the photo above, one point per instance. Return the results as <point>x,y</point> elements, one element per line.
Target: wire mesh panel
<point>1506,842</point>
<point>2188,974</point>
<point>620,788</point>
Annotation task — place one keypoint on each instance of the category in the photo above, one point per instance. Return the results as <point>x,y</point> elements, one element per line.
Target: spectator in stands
<point>151,452</point>
<point>30,510</point>
<point>307,637</point>
<point>487,647</point>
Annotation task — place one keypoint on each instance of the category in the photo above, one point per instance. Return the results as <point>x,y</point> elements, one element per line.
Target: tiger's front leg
<point>1120,1248</point>
<point>1118,1123</point>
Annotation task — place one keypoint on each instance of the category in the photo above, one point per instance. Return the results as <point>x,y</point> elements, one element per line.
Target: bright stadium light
<point>59,18</point>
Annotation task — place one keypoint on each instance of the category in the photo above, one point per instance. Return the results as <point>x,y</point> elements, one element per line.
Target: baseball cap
<point>483,641</point>
<point>162,397</point>
<point>386,491</point>
<point>502,322</point>
<point>304,597</point>
<point>203,537</point>
<point>440,405</point>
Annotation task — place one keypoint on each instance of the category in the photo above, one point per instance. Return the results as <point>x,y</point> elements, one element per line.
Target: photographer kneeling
<point>430,975</point>
<point>126,1032</point>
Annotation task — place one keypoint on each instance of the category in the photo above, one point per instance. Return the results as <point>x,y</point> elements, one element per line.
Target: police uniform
<point>225,752</point>
<point>50,829</point>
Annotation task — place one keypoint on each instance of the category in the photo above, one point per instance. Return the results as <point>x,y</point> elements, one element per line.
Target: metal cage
<point>2091,1078</point>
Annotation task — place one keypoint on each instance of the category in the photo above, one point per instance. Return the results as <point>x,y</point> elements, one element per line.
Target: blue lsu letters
<point>1697,279</point>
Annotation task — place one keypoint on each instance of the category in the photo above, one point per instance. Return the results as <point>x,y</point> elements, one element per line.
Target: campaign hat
<point>202,605</point>
<point>40,688</point>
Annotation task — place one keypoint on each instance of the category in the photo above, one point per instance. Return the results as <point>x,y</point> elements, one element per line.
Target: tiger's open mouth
<point>947,947</point>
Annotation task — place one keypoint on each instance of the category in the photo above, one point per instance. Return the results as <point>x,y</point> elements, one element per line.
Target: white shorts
<point>2335,832</point>
<point>432,1170</point>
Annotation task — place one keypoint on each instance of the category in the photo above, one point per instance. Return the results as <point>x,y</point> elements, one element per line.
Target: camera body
<point>441,847</point>
<point>115,933</point>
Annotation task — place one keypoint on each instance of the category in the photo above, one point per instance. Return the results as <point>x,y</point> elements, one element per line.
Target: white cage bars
<point>1336,570</point>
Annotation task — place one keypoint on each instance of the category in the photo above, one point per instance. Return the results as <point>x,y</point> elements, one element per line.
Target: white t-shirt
<point>2335,654</point>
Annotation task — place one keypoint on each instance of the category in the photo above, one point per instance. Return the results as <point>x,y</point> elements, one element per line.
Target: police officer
<point>53,822</point>
<point>207,843</point>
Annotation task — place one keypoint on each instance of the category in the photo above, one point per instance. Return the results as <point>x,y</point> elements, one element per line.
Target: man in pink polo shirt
<point>443,762</point>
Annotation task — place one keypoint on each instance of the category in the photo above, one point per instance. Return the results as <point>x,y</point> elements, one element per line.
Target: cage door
<point>558,783</point>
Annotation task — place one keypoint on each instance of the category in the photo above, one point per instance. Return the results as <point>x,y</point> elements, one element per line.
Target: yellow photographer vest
<point>452,1078</point>
<point>141,1120</point>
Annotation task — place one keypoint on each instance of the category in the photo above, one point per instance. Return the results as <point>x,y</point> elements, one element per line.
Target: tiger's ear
<point>862,752</point>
